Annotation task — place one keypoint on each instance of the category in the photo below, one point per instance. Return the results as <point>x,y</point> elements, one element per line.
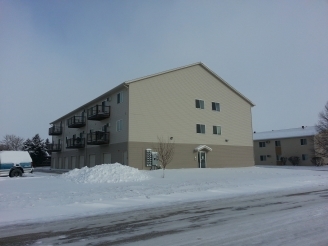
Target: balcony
<point>98,138</point>
<point>76,122</point>
<point>55,130</point>
<point>75,143</point>
<point>54,147</point>
<point>98,112</point>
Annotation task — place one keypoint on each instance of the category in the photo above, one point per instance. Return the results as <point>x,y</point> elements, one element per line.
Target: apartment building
<point>270,146</point>
<point>208,120</point>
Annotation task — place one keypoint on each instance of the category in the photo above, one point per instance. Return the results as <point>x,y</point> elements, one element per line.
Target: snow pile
<point>106,173</point>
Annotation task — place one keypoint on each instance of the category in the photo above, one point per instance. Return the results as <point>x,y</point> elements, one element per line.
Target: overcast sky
<point>57,55</point>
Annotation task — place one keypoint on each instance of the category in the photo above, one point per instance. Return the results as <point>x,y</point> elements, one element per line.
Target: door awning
<point>202,147</point>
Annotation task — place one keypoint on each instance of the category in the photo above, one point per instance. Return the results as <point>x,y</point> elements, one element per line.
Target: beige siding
<point>289,147</point>
<point>185,157</point>
<point>91,156</point>
<point>165,106</point>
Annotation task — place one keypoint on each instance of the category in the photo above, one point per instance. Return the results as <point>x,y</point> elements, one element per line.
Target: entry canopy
<point>202,147</point>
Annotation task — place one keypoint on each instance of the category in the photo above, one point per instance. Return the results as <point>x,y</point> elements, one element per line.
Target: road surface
<point>278,218</point>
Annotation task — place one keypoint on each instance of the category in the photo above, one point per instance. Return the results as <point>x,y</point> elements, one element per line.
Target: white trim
<point>202,147</point>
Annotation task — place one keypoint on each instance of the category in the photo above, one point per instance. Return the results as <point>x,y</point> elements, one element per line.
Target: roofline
<point>305,134</point>
<point>270,138</point>
<point>191,65</point>
<point>126,83</point>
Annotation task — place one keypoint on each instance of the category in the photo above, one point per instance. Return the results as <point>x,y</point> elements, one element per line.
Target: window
<point>263,157</point>
<point>278,157</point>
<point>215,106</point>
<point>303,141</point>
<point>277,143</point>
<point>119,125</point>
<point>305,157</point>
<point>199,104</point>
<point>217,130</point>
<point>200,128</point>
<point>262,144</point>
<point>120,97</point>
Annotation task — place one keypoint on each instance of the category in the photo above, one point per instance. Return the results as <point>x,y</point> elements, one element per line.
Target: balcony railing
<point>55,130</point>
<point>98,112</point>
<point>76,122</point>
<point>98,138</point>
<point>54,147</point>
<point>75,143</point>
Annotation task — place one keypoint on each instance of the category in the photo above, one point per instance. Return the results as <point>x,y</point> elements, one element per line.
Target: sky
<point>58,55</point>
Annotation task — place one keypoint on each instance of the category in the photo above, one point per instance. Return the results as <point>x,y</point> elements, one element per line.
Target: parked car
<point>15,163</point>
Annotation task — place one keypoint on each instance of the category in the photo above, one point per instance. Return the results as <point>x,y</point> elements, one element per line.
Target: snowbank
<point>106,173</point>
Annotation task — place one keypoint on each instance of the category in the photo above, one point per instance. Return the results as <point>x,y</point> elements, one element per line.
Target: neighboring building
<point>208,120</point>
<point>270,146</point>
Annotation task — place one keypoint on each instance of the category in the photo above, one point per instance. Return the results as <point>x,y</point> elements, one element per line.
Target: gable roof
<point>191,65</point>
<point>286,133</point>
<point>126,83</point>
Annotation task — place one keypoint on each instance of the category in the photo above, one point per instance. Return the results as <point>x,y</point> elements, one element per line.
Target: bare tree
<point>12,142</point>
<point>317,161</point>
<point>321,139</point>
<point>165,149</point>
<point>3,147</point>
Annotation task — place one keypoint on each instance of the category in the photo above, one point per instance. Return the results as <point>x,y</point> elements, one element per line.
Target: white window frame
<point>119,97</point>
<point>217,106</point>
<point>119,124</point>
<point>277,143</point>
<point>201,128</point>
<point>262,144</point>
<point>201,103</point>
<point>217,133</point>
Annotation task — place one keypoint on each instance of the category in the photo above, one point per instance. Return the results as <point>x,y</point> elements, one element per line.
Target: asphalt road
<point>280,218</point>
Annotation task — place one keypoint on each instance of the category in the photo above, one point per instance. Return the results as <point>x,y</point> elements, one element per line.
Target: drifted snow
<point>106,173</point>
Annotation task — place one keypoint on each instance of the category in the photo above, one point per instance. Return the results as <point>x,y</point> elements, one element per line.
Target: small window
<point>200,128</point>
<point>120,97</point>
<point>262,144</point>
<point>277,143</point>
<point>263,157</point>
<point>303,141</point>
<point>305,157</point>
<point>200,104</point>
<point>215,106</point>
<point>119,125</point>
<point>278,157</point>
<point>217,130</point>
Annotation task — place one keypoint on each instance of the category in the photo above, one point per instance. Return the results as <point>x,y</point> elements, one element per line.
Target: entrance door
<point>202,159</point>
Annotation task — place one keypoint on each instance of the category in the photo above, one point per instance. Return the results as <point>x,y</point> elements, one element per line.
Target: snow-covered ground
<point>112,188</point>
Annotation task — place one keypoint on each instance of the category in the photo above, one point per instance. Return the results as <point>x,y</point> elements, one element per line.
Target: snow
<point>105,173</point>
<point>285,133</point>
<point>112,188</point>
<point>14,157</point>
